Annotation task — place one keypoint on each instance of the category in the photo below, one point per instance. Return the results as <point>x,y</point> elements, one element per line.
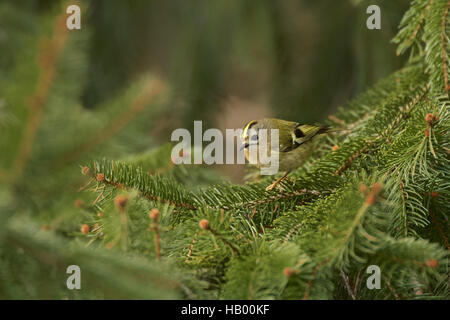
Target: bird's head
<point>250,134</point>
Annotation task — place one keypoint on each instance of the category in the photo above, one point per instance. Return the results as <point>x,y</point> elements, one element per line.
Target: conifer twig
<point>291,232</point>
<point>443,48</point>
<point>391,289</point>
<point>154,215</point>
<point>273,198</point>
<point>191,249</point>
<point>403,111</point>
<point>336,120</point>
<point>152,89</point>
<point>204,224</point>
<point>120,202</point>
<point>350,160</point>
<point>347,284</point>
<point>49,54</point>
<point>405,220</point>
<point>100,177</point>
<point>310,282</point>
<point>355,287</point>
<point>439,229</point>
<point>422,18</point>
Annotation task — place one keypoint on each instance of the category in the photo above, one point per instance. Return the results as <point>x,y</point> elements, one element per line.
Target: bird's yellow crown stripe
<point>247,126</point>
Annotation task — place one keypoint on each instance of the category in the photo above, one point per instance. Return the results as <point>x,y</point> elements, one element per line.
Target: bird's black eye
<point>254,137</point>
<point>298,133</point>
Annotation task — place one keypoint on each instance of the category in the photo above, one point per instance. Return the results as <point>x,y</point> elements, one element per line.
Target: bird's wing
<point>303,133</point>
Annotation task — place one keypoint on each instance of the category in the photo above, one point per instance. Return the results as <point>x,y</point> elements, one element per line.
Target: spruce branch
<point>436,49</point>
<point>352,158</point>
<point>397,256</point>
<point>411,23</point>
<point>205,225</point>
<point>403,197</point>
<point>154,215</point>
<point>139,279</point>
<point>347,285</point>
<point>439,229</point>
<point>281,196</point>
<point>121,201</point>
<point>314,275</point>
<point>443,48</point>
<point>151,89</point>
<point>292,231</point>
<point>391,288</point>
<point>191,248</point>
<point>154,188</point>
<point>50,51</point>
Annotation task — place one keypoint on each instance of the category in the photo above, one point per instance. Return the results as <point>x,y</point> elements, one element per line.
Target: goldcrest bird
<point>295,144</point>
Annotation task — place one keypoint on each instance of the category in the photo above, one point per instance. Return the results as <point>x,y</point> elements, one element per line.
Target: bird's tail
<point>328,129</point>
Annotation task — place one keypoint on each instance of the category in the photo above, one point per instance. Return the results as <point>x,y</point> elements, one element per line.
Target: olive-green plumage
<point>296,141</point>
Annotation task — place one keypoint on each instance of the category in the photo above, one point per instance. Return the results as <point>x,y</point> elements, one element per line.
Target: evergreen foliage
<point>375,193</point>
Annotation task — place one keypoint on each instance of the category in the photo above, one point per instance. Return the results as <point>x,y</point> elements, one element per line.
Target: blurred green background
<point>299,59</point>
<point>226,62</point>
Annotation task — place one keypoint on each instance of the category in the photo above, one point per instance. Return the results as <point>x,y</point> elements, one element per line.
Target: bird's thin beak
<point>244,145</point>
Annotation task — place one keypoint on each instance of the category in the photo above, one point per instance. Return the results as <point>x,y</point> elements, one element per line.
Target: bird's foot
<point>274,185</point>
<point>270,187</point>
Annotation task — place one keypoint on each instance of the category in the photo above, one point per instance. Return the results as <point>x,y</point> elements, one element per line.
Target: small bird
<point>295,142</point>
